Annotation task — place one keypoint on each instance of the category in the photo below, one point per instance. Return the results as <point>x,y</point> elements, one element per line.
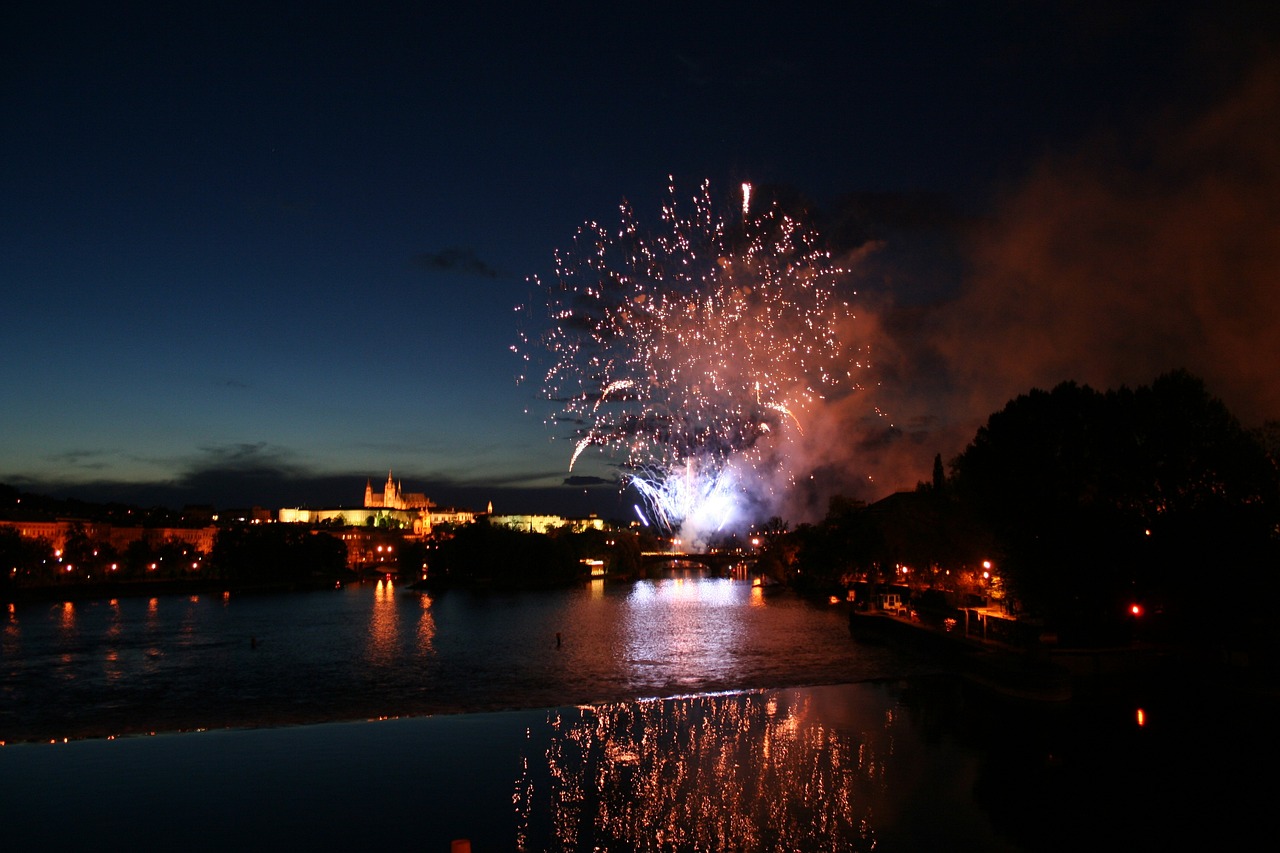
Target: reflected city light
<point>111,666</point>
<point>426,628</point>
<point>384,631</point>
<point>10,640</point>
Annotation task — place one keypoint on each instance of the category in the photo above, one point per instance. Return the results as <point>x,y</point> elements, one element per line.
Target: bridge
<point>715,561</point>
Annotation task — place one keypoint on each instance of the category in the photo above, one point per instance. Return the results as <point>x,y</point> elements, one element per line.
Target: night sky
<point>258,253</point>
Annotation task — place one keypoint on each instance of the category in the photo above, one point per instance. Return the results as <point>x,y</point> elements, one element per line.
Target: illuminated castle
<point>391,497</point>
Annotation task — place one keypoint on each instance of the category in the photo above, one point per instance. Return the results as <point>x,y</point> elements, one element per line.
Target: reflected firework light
<point>745,771</point>
<point>691,354</point>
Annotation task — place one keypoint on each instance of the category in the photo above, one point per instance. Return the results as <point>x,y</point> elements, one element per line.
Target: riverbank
<point>1047,672</point>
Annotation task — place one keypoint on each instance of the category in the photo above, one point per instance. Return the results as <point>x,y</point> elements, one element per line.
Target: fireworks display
<point>691,353</point>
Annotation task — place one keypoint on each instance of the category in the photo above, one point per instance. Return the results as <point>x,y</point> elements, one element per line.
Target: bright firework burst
<point>691,352</point>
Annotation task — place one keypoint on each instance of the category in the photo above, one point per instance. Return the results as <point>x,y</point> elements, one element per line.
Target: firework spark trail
<point>690,352</point>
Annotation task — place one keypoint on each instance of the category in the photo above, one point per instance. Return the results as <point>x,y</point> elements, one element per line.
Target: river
<point>138,664</point>
<point>685,713</point>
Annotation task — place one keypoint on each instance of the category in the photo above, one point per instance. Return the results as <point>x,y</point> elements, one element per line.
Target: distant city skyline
<point>253,255</point>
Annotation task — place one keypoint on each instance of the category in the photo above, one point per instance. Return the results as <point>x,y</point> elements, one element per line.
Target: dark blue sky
<point>255,253</point>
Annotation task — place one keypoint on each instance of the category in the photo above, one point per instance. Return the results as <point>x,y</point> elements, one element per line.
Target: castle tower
<point>391,495</point>
<point>368,493</point>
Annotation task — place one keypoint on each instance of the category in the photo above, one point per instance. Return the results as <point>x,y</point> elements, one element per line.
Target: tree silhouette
<point>1098,497</point>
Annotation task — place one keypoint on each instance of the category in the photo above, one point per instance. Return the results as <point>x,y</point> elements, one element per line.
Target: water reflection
<point>426,628</point>
<point>745,771</point>
<point>113,637</point>
<point>66,639</point>
<point>11,642</point>
<point>67,621</point>
<point>190,621</point>
<point>689,628</point>
<point>154,631</point>
<point>384,632</point>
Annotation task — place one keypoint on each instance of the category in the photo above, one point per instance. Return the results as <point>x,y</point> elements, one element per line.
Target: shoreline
<point>1051,674</point>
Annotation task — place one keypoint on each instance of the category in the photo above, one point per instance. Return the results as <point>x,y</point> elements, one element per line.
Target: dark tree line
<point>1156,494</point>
<point>484,553</point>
<point>489,553</point>
<point>277,552</point>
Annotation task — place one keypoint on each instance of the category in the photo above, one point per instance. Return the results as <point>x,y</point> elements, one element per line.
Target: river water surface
<point>686,713</point>
<point>131,665</point>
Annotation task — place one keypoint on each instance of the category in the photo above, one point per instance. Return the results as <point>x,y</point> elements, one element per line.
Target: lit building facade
<point>546,523</point>
<point>57,532</point>
<point>392,507</point>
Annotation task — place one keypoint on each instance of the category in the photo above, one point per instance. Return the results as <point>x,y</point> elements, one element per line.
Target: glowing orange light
<point>1135,609</point>
<point>1142,717</point>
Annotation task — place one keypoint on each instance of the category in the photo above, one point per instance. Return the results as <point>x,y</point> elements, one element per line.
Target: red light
<point>1135,609</point>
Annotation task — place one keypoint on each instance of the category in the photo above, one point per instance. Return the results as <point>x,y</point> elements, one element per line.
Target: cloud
<point>90,460</point>
<point>455,260</point>
<point>588,481</point>
<point>246,474</point>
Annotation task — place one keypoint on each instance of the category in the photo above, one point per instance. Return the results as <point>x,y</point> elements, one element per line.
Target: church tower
<point>391,495</point>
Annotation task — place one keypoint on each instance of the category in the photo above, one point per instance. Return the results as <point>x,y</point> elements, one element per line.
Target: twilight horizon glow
<point>694,354</point>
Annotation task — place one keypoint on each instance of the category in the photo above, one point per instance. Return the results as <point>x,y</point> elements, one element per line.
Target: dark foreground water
<point>733,758</point>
